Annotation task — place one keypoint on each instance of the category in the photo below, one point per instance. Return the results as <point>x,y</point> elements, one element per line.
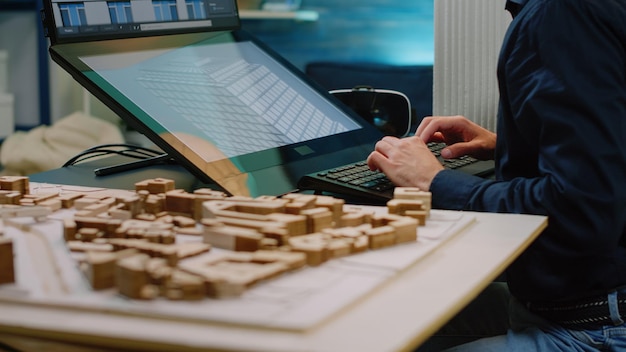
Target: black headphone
<point>388,110</point>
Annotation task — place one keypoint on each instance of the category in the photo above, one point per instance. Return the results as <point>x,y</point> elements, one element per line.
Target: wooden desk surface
<point>400,315</point>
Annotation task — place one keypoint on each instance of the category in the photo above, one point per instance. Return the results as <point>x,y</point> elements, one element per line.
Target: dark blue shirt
<point>561,148</point>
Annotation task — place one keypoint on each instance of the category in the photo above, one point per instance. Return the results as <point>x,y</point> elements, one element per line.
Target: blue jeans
<point>484,322</point>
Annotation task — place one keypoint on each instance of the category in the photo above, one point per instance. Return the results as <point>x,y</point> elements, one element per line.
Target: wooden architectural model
<point>129,243</point>
<point>7,270</point>
<point>12,189</point>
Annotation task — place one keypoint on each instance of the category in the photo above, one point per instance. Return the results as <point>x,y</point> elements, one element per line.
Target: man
<point>560,151</point>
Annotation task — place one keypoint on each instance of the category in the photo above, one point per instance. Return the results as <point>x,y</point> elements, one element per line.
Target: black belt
<point>584,314</point>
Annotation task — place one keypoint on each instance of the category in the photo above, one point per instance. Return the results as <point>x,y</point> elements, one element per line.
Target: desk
<point>82,174</point>
<point>399,315</point>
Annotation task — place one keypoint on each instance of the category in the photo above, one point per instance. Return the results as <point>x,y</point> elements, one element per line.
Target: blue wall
<point>396,32</point>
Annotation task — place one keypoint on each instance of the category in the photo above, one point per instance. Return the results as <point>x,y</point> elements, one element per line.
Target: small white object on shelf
<point>300,15</point>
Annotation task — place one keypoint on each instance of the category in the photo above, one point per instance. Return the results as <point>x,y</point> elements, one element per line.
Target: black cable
<point>109,170</point>
<point>128,150</point>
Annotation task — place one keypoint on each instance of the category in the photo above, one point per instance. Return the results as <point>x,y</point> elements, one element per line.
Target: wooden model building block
<point>69,229</point>
<point>260,206</point>
<point>91,207</point>
<point>52,204</point>
<point>335,205</point>
<point>280,235</point>
<point>414,193</point>
<point>184,286</point>
<point>156,185</point>
<point>152,231</point>
<point>318,219</point>
<point>330,244</point>
<point>37,212</point>
<point>89,234</point>
<point>20,184</point>
<point>230,237</point>
<point>119,213</point>
<point>49,199</point>
<point>167,252</point>
<point>108,226</point>
<point>315,246</point>
<point>183,221</point>
<point>251,206</point>
<point>132,279</point>
<point>340,247</point>
<point>186,250</point>
<point>100,266</point>
<point>179,201</point>
<point>131,204</point>
<point>10,197</point>
<point>7,269</point>
<point>359,241</point>
<point>230,275</point>
<point>409,207</point>
<point>68,199</point>
<point>101,269</point>
<point>354,218</point>
<point>203,195</point>
<point>159,273</point>
<point>295,224</point>
<point>293,260</point>
<point>80,246</point>
<point>380,237</point>
<point>255,217</point>
<point>405,228</point>
<point>154,203</point>
<point>299,202</point>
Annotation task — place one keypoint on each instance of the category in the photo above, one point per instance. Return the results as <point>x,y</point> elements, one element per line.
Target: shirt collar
<point>515,6</point>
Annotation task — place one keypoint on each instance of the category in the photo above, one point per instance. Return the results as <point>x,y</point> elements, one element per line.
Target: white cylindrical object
<point>7,118</point>
<point>4,71</point>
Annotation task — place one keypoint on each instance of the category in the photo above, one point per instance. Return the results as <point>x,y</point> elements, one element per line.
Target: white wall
<point>18,37</point>
<point>7,119</point>
<point>468,36</point>
<point>67,96</point>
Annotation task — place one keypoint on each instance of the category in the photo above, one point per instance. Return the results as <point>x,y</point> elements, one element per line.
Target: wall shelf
<point>300,15</point>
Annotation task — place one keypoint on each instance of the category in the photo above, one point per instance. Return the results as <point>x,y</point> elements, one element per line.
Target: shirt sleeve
<point>465,186</point>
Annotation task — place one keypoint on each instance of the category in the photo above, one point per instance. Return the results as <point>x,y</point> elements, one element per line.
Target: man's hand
<point>407,162</point>
<point>462,136</point>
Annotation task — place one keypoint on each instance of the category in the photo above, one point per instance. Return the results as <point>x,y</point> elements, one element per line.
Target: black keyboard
<point>357,179</point>
<point>450,163</point>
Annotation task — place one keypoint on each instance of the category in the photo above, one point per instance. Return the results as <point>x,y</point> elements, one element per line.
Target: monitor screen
<point>101,19</point>
<point>228,93</point>
<point>222,104</point>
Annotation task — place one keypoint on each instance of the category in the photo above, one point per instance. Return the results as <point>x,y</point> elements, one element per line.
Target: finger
<point>391,140</point>
<point>437,137</point>
<point>386,144</point>
<point>456,150</point>
<point>375,161</point>
<point>429,129</point>
<point>422,126</point>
